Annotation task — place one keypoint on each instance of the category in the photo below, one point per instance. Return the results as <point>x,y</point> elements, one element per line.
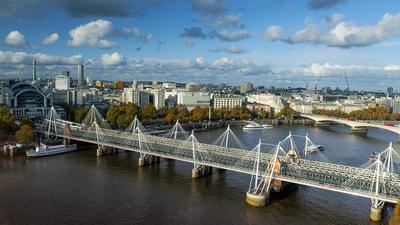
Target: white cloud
<point>16,39</point>
<point>223,62</point>
<point>273,33</point>
<point>337,33</point>
<point>200,60</point>
<point>136,33</point>
<point>227,21</point>
<point>92,34</point>
<point>9,57</point>
<point>50,39</point>
<point>233,36</point>
<point>114,59</point>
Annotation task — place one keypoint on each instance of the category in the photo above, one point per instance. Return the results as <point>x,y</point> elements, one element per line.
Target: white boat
<point>315,148</point>
<point>256,126</point>
<point>44,150</point>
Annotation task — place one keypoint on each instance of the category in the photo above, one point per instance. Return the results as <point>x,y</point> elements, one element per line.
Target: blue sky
<point>268,42</point>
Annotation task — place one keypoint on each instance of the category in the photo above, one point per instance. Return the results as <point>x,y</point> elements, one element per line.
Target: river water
<point>79,188</point>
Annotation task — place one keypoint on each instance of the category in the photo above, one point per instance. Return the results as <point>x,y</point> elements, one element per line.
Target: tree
<point>120,116</point>
<point>395,218</point>
<point>199,113</point>
<point>182,112</point>
<point>79,114</point>
<point>26,134</point>
<point>27,121</point>
<point>287,112</point>
<point>7,122</point>
<point>149,112</point>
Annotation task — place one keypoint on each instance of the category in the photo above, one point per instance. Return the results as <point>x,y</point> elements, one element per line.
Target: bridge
<point>359,127</point>
<point>272,167</point>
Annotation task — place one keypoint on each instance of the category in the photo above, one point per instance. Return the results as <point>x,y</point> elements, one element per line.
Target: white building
<point>227,101</point>
<point>272,101</point>
<point>62,82</point>
<point>159,98</point>
<point>135,96</point>
<point>193,99</point>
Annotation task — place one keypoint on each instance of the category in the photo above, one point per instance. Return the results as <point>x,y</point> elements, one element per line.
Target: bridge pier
<point>106,151</point>
<point>201,171</point>
<point>148,160</point>
<point>321,124</point>
<point>376,213</point>
<point>257,200</point>
<point>359,130</point>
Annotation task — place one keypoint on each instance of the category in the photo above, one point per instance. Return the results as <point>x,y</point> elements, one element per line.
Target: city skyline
<point>271,43</point>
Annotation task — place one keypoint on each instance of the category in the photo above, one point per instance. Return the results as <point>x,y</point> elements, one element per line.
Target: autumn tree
<point>149,112</point>
<point>26,134</point>
<point>287,112</point>
<point>120,116</point>
<point>395,218</point>
<point>199,113</point>
<point>7,122</point>
<point>79,114</point>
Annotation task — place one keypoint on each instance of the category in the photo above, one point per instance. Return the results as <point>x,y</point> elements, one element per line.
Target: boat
<point>315,148</point>
<point>256,126</point>
<point>45,150</point>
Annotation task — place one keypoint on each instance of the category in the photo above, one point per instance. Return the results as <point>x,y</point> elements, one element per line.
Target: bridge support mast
<point>198,169</point>
<point>145,159</point>
<point>377,205</point>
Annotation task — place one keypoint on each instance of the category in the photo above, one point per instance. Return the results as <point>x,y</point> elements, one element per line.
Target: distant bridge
<point>272,167</point>
<point>356,126</point>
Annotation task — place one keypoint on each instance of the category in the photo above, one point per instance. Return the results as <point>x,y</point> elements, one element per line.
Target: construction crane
<point>347,83</point>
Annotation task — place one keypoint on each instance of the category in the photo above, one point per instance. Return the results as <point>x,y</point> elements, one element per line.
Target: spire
<point>34,78</point>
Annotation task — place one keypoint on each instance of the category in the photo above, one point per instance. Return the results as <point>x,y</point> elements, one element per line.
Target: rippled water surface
<point>79,188</point>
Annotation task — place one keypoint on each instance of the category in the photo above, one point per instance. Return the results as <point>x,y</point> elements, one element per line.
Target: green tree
<point>26,134</point>
<point>149,112</point>
<point>122,115</point>
<point>287,112</point>
<point>7,122</point>
<point>79,114</point>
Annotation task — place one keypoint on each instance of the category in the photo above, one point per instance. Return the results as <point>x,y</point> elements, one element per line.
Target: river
<point>79,188</point>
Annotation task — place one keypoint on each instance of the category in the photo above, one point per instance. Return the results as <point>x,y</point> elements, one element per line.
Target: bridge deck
<point>328,176</point>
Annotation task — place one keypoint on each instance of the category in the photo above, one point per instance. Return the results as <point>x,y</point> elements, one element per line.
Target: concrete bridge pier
<point>201,171</point>
<point>257,200</point>
<point>106,151</point>
<point>376,213</point>
<point>321,124</point>
<point>148,160</point>
<point>359,130</point>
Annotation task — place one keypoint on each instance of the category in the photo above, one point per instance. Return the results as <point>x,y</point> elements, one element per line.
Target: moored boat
<point>256,126</point>
<point>45,150</point>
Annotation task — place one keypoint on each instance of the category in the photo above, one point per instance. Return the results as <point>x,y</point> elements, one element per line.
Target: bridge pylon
<point>198,170</point>
<point>261,183</point>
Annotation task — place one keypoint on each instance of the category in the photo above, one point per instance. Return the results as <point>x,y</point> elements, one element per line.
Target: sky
<point>277,43</point>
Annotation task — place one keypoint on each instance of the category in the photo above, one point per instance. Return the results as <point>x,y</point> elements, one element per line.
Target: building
<point>135,96</point>
<point>193,99</point>
<point>26,99</point>
<point>159,98</point>
<point>273,102</point>
<point>63,81</point>
<point>246,87</point>
<point>227,101</point>
<point>120,84</point>
<point>390,92</point>
<point>99,83</point>
<point>192,87</point>
<point>81,78</point>
<point>169,85</point>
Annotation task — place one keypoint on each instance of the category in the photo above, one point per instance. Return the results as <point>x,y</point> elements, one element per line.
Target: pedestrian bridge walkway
<point>271,166</point>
